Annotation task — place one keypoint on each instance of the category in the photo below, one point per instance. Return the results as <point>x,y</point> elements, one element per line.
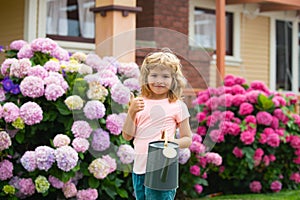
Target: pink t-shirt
<point>158,115</point>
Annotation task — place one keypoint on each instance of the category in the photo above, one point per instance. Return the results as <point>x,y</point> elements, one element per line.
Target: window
<point>205,29</point>
<point>70,20</point>
<point>284,55</point>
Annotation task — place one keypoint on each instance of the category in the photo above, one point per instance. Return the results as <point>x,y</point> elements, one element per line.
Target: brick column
<point>115,22</point>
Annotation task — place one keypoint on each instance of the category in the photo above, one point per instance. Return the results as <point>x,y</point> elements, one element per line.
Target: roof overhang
<point>270,5</point>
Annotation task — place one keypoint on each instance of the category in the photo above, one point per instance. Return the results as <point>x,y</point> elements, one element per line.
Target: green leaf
<point>265,103</point>
<point>122,193</point>
<point>62,108</point>
<point>93,182</point>
<point>81,156</point>
<point>20,137</point>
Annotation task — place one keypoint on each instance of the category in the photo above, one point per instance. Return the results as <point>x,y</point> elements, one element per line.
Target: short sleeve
<point>182,113</point>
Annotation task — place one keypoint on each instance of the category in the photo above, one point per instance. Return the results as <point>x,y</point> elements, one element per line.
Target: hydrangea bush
<point>256,132</point>
<point>61,116</point>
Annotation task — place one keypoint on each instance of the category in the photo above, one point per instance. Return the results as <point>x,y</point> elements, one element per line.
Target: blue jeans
<point>143,193</point>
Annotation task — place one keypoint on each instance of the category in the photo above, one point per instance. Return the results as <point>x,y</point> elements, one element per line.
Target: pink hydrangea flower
<point>88,194</point>
<point>114,123</point>
<point>52,65</point>
<point>80,144</point>
<point>69,189</point>
<point>107,78</point>
<point>237,90</point>
<point>213,158</point>
<point>276,186</point>
<point>26,186</point>
<point>255,186</point>
<point>17,44</point>
<point>5,141</point>
<point>133,84</point>
<point>239,80</point>
<point>93,60</point>
<point>6,170</point>
<point>31,113</point>
<point>32,86</point>
<point>60,54</point>
<point>19,69</point>
<point>10,112</point>
<point>195,170</point>
<point>120,93</point>
<point>101,167</point>
<point>111,163</point>
<point>216,136</point>
<point>130,69</point>
<point>61,140</point>
<point>7,64</point>
<point>246,109</point>
<point>264,118</point>
<point>56,78</point>
<point>295,177</point>
<point>38,71</point>
<point>247,137</point>
<point>201,130</point>
<point>44,45</point>
<point>229,80</point>
<point>53,92</point>
<point>25,52</point>
<point>197,147</point>
<point>198,188</point>
<point>126,153</point>
<point>237,152</point>
<point>81,129</point>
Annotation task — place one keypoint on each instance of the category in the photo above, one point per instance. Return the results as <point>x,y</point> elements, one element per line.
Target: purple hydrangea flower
<point>126,153</point>
<point>94,109</point>
<point>28,161</point>
<point>101,140</point>
<point>44,157</point>
<point>66,158</point>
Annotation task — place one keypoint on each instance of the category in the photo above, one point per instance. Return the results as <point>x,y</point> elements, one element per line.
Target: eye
<point>153,75</point>
<point>166,76</point>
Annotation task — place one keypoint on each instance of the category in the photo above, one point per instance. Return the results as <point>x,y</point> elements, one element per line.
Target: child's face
<point>160,80</point>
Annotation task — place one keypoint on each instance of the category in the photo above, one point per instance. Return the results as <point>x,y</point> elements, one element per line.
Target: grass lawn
<point>283,195</point>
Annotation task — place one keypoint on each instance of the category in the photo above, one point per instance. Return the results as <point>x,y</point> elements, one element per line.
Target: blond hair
<point>164,59</point>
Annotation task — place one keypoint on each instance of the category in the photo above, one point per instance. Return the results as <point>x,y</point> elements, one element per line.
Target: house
<point>262,36</point>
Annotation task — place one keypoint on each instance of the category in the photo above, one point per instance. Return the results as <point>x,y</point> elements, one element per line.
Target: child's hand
<point>136,104</point>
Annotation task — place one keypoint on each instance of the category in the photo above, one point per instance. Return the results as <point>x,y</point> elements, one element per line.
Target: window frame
<point>71,38</point>
<point>230,60</point>
<point>36,11</point>
<point>287,16</point>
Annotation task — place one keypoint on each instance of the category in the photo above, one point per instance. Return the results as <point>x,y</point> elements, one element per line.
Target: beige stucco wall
<point>255,43</point>
<point>12,21</point>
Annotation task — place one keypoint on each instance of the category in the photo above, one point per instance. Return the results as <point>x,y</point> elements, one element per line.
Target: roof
<point>270,5</point>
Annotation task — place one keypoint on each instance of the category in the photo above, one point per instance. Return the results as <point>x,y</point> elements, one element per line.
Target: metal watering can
<point>162,165</point>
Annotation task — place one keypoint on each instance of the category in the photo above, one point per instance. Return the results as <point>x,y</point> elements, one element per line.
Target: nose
<point>159,81</point>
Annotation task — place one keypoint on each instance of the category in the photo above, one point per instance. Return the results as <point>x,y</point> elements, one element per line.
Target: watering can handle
<point>163,136</point>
